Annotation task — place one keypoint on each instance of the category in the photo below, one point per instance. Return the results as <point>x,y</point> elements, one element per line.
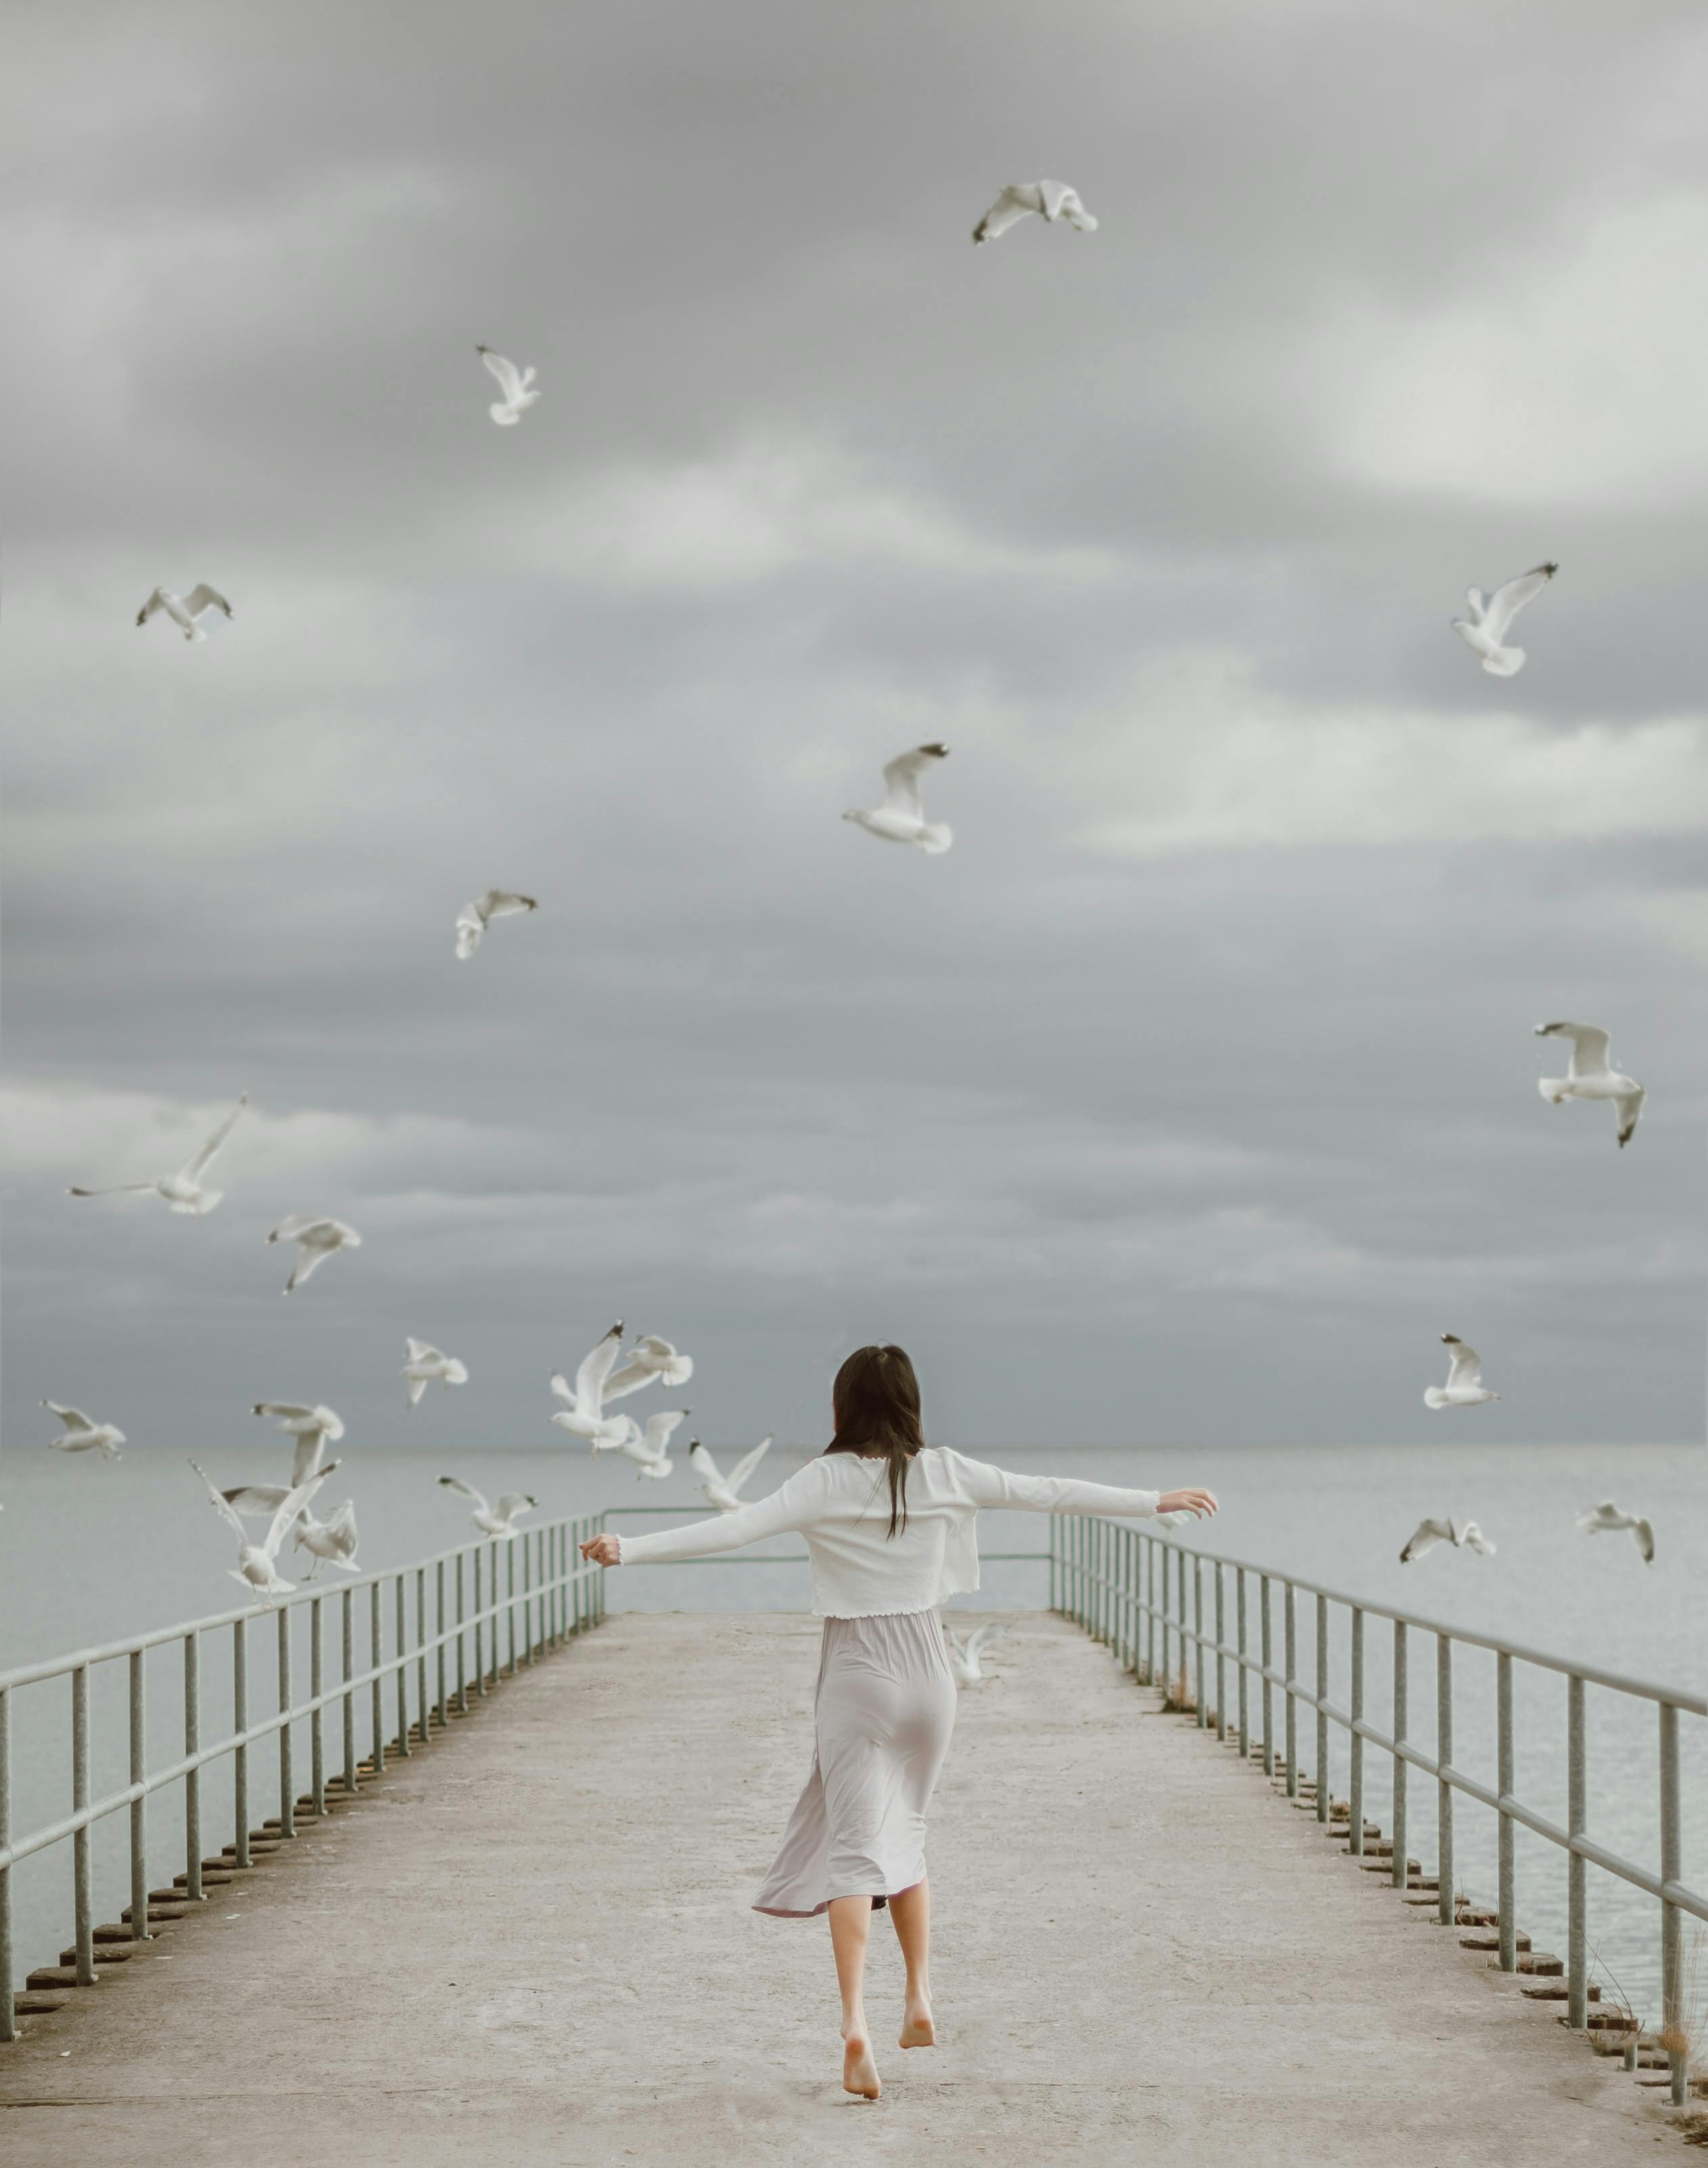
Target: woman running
<point>889,1523</point>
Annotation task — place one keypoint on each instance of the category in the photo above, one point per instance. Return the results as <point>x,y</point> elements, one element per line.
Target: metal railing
<point>548,1595</point>
<point>1128,1588</point>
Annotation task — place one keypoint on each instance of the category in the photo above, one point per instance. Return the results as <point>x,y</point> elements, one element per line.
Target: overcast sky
<point>1193,1093</point>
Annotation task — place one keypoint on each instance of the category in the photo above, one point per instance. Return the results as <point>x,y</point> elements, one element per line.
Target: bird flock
<point>601,1378</point>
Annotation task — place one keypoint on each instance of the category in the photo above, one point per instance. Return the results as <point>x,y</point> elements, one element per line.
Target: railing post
<point>139,1806</point>
<point>1268,1665</point>
<point>1445,1907</point>
<point>348,1636</point>
<point>439,1622</point>
<point>1504,1831</point>
<point>193,1778</point>
<point>1054,1592</point>
<point>1402,1688</point>
<point>527,1549</point>
<point>1198,1637</point>
<point>1245,1721</point>
<point>462,1659</point>
<point>1354,1751</point>
<point>287,1778</point>
<point>1672,1920</point>
<point>1324,1782</point>
<point>9,2022</point>
<point>1576,1823</point>
<point>240,1724</point>
<point>1292,1649</point>
<point>316,1729</point>
<point>376,1643</point>
<point>420,1650</point>
<point>80,1842</point>
<point>400,1608</point>
<point>1221,1660</point>
<point>510,1606</point>
<point>1152,1548</point>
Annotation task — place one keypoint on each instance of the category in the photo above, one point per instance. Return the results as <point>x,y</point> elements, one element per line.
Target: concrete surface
<point>530,1944</point>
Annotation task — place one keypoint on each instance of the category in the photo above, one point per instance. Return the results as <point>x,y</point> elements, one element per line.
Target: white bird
<point>262,1500</point>
<point>334,1540</point>
<point>650,1360</point>
<point>1049,200</point>
<point>315,1240</point>
<point>516,385</point>
<point>1464,1388</point>
<point>646,1449</point>
<point>1607,1519</point>
<point>1590,1075</point>
<point>724,1492</point>
<point>1485,628</point>
<point>83,1434</point>
<point>1457,1532</point>
<point>964,1655</point>
<point>429,1365</point>
<point>313,1429</point>
<point>473,918</point>
<point>498,1520</point>
<point>901,819</point>
<point>257,1563</point>
<point>583,1414</point>
<point>183,1191</point>
<point>184,610</point>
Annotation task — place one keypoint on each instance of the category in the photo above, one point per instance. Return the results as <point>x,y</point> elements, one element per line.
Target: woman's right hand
<point>602,1550</point>
<point>1187,1501</point>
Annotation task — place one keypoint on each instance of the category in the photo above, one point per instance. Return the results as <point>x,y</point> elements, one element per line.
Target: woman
<point>889,1523</point>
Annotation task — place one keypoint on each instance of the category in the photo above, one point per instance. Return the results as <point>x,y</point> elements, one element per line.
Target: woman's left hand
<point>602,1550</point>
<point>1187,1501</point>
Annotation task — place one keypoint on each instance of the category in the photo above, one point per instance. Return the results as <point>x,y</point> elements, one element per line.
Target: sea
<point>91,1552</point>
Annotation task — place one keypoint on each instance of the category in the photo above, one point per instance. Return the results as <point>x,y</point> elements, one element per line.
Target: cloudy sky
<point>1193,1093</point>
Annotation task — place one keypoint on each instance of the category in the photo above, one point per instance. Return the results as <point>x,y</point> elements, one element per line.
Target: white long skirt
<point>883,1714</point>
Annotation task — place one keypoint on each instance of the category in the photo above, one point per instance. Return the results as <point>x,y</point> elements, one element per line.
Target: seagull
<point>901,819</point>
<point>1485,628</point>
<point>334,1540</point>
<point>473,918</point>
<point>1590,1075</point>
<point>1049,199</point>
<point>312,1428</point>
<point>964,1655</point>
<point>262,1500</point>
<point>724,1492</point>
<point>184,610</point>
<point>257,1563</point>
<point>1457,1532</point>
<point>315,1240</point>
<point>516,385</point>
<point>646,1449</point>
<point>651,1358</point>
<point>183,1191</point>
<point>1607,1519</point>
<point>429,1365</point>
<point>583,1414</point>
<point>83,1434</point>
<point>499,1520</point>
<point>1464,1388</point>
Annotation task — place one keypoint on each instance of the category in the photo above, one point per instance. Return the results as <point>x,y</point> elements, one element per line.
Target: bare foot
<point>859,2073</point>
<point>917,2030</point>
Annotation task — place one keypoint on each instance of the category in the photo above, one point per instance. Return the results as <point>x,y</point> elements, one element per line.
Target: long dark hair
<point>876,1401</point>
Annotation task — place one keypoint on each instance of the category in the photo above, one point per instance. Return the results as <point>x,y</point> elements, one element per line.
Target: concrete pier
<point>531,1943</point>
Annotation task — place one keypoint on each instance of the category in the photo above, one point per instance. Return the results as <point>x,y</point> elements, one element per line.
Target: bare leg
<point>911,1910</point>
<point>850,1930</point>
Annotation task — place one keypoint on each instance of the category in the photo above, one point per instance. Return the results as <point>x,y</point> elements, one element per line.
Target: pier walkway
<point>529,1943</point>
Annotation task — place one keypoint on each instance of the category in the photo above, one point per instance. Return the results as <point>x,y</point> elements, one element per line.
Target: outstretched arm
<point>996,1487</point>
<point>791,1505</point>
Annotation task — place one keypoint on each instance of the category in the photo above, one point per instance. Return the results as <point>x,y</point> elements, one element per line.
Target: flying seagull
<point>1607,1519</point>
<point>724,1492</point>
<point>315,1240</point>
<point>83,1434</point>
<point>473,918</point>
<point>516,385</point>
<point>583,1414</point>
<point>650,1360</point>
<point>1464,1388</point>
<point>312,1428</point>
<point>1428,1533</point>
<point>646,1449</point>
<point>1049,200</point>
<point>1491,615</point>
<point>185,610</point>
<point>429,1365</point>
<point>901,819</point>
<point>333,1539</point>
<point>964,1655</point>
<point>257,1563</point>
<point>261,1500</point>
<point>183,1191</point>
<point>498,1520</point>
<point>1590,1075</point>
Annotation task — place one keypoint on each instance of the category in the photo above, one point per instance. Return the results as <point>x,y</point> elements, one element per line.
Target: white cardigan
<point>840,1502</point>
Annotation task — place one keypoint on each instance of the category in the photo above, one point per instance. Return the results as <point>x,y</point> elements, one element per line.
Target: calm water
<point>90,1552</point>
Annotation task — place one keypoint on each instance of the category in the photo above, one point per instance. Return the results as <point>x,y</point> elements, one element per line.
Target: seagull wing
<point>288,1410</point>
<point>1630,1105</point>
<point>1468,1364</point>
<point>463,1490</point>
<point>1472,1535</point>
<point>307,1457</point>
<point>748,1462</point>
<point>201,596</point>
<point>1589,1045</point>
<point>660,1426</point>
<point>511,1503</point>
<point>701,1461</point>
<point>509,380</point>
<point>290,1506</point>
<point>222,1505</point>
<point>980,1634</point>
<point>256,1497</point>
<point>156,601</point>
<point>596,1367</point>
<point>1643,1533</point>
<point>197,1163</point>
<point>901,779</point>
<point>72,1418</point>
<point>629,1377</point>
<point>1427,1535</point>
<point>423,1351</point>
<point>1004,212</point>
<point>469,927</point>
<point>1504,604</point>
<point>500,903</point>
